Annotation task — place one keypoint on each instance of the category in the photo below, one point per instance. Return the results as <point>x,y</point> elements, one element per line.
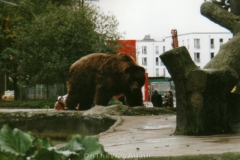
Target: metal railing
<point>39,91</point>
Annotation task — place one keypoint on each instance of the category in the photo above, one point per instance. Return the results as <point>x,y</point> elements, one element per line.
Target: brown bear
<point>96,78</point>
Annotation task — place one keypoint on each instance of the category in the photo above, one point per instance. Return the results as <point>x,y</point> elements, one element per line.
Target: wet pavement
<point>151,136</point>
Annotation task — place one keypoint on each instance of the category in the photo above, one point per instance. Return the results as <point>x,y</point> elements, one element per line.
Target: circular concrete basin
<point>56,124</point>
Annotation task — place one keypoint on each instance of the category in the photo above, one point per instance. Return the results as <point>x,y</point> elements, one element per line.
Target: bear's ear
<point>133,69</point>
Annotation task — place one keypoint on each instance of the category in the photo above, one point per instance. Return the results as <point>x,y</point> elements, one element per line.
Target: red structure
<point>175,38</point>
<point>128,47</point>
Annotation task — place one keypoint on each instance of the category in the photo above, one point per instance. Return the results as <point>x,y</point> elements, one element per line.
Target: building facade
<point>147,52</point>
<point>202,47</point>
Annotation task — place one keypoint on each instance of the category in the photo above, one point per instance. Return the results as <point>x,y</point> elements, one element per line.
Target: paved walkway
<point>144,136</point>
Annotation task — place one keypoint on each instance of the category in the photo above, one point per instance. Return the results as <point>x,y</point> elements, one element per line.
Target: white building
<point>202,47</point>
<point>148,52</point>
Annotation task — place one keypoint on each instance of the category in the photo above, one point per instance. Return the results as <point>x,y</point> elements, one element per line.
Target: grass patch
<point>29,104</point>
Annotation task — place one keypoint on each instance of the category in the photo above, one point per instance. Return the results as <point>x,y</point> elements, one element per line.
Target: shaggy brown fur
<point>96,78</point>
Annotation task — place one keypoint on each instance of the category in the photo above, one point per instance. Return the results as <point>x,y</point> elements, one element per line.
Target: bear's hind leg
<point>102,97</point>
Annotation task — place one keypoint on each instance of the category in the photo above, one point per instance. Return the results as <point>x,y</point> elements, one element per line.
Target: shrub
<point>34,104</point>
<point>15,144</point>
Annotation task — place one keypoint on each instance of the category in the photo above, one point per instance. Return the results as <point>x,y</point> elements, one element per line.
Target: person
<point>156,99</point>
<point>60,104</point>
<point>169,96</point>
<point>165,103</point>
<point>114,101</point>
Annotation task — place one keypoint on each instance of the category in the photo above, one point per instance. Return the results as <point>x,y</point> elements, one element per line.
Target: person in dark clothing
<point>165,103</point>
<point>156,99</point>
<point>169,96</point>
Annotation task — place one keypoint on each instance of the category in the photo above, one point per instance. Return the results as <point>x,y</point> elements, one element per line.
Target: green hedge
<point>28,104</point>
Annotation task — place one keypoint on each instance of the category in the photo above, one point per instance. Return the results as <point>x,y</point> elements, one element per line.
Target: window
<point>221,42</point>
<point>188,44</point>
<point>144,61</point>
<point>163,48</point>
<point>211,43</point>
<point>211,55</point>
<point>156,49</point>
<point>182,42</point>
<point>196,43</point>
<point>164,71</point>
<point>144,49</point>
<point>197,57</point>
<point>157,61</point>
<point>157,72</point>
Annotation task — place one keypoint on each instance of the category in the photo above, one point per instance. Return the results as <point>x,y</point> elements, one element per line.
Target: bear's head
<point>134,76</point>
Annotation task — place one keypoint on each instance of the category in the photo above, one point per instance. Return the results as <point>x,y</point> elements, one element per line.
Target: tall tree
<point>48,46</point>
<point>11,15</point>
<point>14,13</point>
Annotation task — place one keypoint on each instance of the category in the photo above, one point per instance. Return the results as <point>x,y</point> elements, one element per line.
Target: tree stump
<point>203,94</point>
<point>200,94</point>
<point>229,53</point>
<point>207,90</point>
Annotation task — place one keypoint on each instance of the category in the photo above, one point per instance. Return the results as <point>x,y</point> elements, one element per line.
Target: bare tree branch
<point>220,16</point>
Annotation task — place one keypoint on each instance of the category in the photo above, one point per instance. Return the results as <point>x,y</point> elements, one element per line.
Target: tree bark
<point>200,107</point>
<point>179,64</point>
<point>207,90</point>
<point>235,6</point>
<point>229,53</point>
<point>202,94</point>
<point>220,16</point>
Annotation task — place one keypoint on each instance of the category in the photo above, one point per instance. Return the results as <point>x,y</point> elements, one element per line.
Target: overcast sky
<point>138,18</point>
